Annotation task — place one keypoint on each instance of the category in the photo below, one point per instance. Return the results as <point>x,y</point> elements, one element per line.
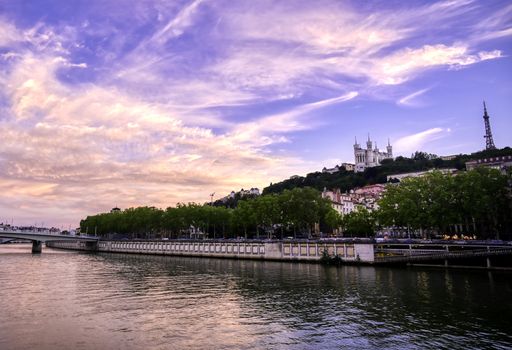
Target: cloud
<point>296,51</point>
<point>256,133</point>
<point>411,99</point>
<point>98,146</point>
<point>178,24</point>
<point>170,102</point>
<point>9,34</point>
<point>410,143</point>
<point>288,50</point>
<point>405,64</point>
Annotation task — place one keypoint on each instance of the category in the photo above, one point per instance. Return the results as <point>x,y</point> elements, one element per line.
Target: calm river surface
<point>70,300</point>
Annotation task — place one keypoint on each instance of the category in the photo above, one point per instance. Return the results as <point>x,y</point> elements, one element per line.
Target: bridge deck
<point>44,236</point>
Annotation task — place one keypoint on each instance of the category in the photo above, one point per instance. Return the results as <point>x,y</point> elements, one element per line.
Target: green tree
<point>359,223</point>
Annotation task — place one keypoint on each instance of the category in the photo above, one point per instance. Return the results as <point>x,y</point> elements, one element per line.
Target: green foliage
<point>297,210</point>
<point>477,200</point>
<point>140,221</point>
<point>359,223</point>
<point>326,259</point>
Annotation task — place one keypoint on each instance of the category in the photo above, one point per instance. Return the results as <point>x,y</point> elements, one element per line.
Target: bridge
<point>392,253</point>
<point>40,237</point>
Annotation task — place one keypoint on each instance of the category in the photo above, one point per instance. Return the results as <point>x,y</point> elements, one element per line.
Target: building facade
<point>331,170</point>
<point>371,156</point>
<point>341,202</point>
<point>400,177</point>
<point>337,168</point>
<point>500,163</point>
<point>348,166</point>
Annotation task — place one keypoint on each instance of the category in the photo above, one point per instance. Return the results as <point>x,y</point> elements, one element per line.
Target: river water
<point>71,300</point>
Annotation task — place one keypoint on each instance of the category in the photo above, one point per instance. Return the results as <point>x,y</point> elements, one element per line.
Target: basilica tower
<point>389,148</point>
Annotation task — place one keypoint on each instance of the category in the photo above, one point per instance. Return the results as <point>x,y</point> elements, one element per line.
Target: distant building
<point>368,196</point>
<point>371,156</point>
<point>331,170</point>
<point>500,163</point>
<point>252,192</point>
<point>372,190</point>
<point>341,202</point>
<point>400,177</point>
<point>345,203</point>
<point>348,166</point>
<point>115,210</point>
<point>242,193</point>
<point>452,157</point>
<point>337,168</point>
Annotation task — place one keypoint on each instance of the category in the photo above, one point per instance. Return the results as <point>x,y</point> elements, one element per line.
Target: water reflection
<point>130,301</point>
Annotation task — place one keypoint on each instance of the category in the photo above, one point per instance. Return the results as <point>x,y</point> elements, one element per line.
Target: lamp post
<point>210,213</point>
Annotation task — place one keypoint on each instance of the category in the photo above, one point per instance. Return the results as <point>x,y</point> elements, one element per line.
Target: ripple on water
<point>68,300</point>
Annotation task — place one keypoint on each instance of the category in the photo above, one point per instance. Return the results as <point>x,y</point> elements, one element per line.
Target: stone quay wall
<point>265,250</point>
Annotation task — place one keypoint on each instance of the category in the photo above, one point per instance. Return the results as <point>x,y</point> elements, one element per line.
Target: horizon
<point>106,105</point>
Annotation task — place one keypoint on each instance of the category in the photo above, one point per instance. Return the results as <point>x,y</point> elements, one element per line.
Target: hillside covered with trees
<point>347,180</point>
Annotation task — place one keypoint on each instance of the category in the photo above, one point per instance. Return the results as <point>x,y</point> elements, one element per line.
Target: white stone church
<point>370,157</point>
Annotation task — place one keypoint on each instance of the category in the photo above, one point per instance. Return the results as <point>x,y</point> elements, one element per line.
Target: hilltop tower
<point>489,143</point>
<point>389,148</point>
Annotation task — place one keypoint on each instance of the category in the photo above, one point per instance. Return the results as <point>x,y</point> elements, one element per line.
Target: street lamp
<point>209,216</point>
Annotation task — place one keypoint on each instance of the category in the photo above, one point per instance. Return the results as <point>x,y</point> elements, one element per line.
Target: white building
<point>371,156</point>
<point>500,163</point>
<point>341,202</point>
<point>348,166</point>
<point>331,170</point>
<point>242,193</point>
<point>337,168</point>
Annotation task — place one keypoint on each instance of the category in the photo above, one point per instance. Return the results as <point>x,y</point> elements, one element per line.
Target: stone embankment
<point>312,251</point>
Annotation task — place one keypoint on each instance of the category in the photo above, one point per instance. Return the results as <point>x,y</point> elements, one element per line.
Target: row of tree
<point>476,202</point>
<point>297,212</point>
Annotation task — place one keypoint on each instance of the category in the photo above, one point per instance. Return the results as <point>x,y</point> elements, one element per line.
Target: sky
<point>134,103</point>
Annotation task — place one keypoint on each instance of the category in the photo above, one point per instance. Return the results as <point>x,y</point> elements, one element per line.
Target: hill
<point>347,180</point>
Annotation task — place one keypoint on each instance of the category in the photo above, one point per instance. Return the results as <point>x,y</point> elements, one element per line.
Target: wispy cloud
<point>419,141</point>
<point>269,129</point>
<point>178,24</point>
<point>101,145</point>
<point>168,102</point>
<point>411,99</point>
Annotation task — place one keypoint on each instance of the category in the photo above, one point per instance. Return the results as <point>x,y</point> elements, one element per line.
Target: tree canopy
<point>294,212</point>
<point>475,202</point>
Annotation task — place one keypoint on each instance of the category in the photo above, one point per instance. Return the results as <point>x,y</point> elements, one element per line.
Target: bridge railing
<point>43,233</point>
<point>445,255</point>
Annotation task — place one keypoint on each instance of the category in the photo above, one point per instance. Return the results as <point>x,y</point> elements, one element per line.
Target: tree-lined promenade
<point>291,212</point>
<point>476,203</point>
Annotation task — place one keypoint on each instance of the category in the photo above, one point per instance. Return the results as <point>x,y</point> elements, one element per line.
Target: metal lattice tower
<point>489,143</point>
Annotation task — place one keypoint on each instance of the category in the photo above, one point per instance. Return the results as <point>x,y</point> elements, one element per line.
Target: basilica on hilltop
<point>371,156</point>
